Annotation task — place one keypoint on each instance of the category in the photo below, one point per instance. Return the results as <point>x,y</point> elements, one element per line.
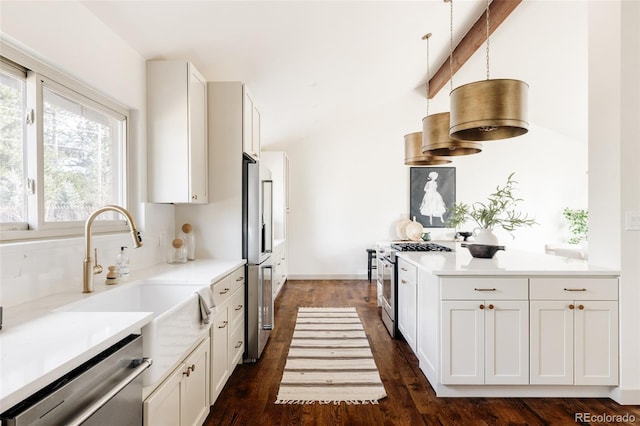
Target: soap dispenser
<point>122,264</point>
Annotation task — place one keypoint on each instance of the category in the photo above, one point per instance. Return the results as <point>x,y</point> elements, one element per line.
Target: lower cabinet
<point>407,299</point>
<point>279,257</point>
<point>227,329</point>
<point>574,332</point>
<point>183,398</point>
<point>485,341</point>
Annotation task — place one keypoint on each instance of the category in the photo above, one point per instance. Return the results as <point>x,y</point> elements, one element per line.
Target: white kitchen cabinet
<point>279,257</point>
<point>574,331</point>
<point>183,398</point>
<point>407,297</point>
<point>428,332</point>
<point>227,329</point>
<point>250,126</point>
<point>176,133</point>
<point>485,331</point>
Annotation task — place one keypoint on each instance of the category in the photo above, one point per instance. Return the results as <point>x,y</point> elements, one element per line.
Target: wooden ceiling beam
<point>475,37</point>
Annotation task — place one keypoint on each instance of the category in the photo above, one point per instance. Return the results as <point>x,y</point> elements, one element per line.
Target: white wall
<point>66,36</point>
<point>348,184</point>
<point>614,181</point>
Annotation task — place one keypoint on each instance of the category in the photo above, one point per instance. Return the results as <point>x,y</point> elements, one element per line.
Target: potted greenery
<point>500,210</point>
<point>578,224</point>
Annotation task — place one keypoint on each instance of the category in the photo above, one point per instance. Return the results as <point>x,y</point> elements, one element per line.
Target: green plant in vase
<point>499,211</point>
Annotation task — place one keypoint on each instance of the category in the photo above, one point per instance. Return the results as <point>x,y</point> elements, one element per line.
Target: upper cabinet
<point>250,125</point>
<point>176,133</point>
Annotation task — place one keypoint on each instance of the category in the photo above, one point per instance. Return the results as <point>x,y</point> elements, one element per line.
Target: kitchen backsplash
<point>31,270</point>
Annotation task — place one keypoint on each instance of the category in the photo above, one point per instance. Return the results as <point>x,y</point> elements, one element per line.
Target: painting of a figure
<point>432,194</point>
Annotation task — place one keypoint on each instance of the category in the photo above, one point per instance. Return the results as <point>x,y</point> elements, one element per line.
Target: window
<point>62,155</point>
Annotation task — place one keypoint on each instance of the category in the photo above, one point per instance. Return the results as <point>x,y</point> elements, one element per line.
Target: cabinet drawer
<point>236,307</point>
<point>221,290</point>
<point>236,347</point>
<point>574,288</point>
<point>407,273</point>
<point>484,288</point>
<point>237,279</point>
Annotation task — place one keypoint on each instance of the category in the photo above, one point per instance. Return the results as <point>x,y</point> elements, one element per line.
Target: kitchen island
<point>520,324</point>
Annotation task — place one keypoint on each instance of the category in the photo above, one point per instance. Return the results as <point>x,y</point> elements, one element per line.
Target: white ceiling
<point>306,62</point>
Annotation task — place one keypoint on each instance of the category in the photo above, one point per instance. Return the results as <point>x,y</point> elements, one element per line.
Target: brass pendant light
<point>435,127</point>
<point>413,155</point>
<point>490,109</point>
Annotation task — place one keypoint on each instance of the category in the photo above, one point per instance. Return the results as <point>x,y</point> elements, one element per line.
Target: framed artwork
<point>432,193</point>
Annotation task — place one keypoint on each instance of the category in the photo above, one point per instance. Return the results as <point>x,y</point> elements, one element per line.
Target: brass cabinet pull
<point>575,289</point>
<point>490,306</point>
<point>239,278</point>
<point>581,307</point>
<point>484,289</point>
<point>481,306</point>
<point>225,291</point>
<point>224,324</point>
<point>571,306</point>
<point>189,370</point>
<point>239,307</point>
<point>238,344</point>
<point>404,281</point>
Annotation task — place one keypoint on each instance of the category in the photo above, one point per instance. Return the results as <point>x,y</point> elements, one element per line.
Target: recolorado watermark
<point>604,418</point>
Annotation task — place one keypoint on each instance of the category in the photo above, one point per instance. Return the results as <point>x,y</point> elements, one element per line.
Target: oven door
<point>388,296</point>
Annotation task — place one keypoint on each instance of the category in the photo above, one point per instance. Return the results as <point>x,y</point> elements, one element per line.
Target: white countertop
<point>38,345</point>
<point>508,262</point>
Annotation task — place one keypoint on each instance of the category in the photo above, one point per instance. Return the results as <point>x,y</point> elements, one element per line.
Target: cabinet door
<point>506,342</point>
<point>596,342</point>
<point>162,407</point>
<point>250,126</point>
<point>428,323</point>
<point>255,134</point>
<point>407,295</point>
<point>198,181</point>
<point>462,342</point>
<point>195,399</point>
<point>551,346</point>
<point>219,351</point>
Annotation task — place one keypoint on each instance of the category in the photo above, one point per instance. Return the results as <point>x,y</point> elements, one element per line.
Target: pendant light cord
<point>450,44</point>
<point>488,39</point>
<point>427,37</point>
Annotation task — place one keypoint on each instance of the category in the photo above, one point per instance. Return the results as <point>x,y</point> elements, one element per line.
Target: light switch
<point>633,221</point>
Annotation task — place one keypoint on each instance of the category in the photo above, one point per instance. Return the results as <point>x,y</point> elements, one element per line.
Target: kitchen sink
<point>176,325</point>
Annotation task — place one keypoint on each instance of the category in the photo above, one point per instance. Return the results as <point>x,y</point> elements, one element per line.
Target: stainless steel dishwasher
<point>106,390</point>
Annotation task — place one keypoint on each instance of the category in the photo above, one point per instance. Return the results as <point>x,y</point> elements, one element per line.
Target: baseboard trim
<point>626,396</point>
<point>328,277</point>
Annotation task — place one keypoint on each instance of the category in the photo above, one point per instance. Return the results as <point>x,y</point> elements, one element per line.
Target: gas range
<point>404,246</point>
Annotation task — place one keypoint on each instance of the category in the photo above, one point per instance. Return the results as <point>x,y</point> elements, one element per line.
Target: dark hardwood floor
<point>249,395</point>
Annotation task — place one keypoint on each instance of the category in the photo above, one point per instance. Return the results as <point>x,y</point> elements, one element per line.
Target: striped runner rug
<point>330,360</point>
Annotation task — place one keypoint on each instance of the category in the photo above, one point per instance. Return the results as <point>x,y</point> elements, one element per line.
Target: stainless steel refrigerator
<point>257,244</point>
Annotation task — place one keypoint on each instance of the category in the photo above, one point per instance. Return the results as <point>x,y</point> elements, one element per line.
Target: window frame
<point>38,76</point>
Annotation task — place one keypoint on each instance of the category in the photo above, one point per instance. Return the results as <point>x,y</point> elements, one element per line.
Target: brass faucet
<point>88,269</point>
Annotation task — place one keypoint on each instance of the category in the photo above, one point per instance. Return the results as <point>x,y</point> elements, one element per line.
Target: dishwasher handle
<point>89,411</point>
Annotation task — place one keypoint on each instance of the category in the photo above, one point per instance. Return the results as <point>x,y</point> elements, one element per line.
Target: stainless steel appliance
<point>106,390</point>
<point>389,278</point>
<point>257,244</point>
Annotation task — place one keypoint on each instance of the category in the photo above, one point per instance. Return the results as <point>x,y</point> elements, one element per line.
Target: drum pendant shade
<point>489,110</point>
<point>413,155</point>
<point>436,140</point>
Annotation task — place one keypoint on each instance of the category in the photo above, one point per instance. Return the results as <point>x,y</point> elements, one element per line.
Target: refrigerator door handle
<point>267,297</point>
